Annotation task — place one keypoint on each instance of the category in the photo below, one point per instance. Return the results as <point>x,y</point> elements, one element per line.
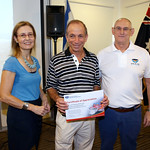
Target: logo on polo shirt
<point>135,62</point>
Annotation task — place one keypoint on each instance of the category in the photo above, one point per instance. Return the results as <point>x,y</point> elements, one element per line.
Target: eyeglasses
<point>125,29</point>
<point>23,35</point>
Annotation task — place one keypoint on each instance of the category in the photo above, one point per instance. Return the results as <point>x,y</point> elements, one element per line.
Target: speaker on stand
<point>55,20</point>
<point>55,24</point>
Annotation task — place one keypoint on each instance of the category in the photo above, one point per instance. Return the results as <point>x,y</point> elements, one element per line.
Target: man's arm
<point>53,94</point>
<point>147,114</point>
<point>60,103</point>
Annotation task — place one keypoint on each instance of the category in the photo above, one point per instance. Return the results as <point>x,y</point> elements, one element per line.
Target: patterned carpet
<point>48,133</point>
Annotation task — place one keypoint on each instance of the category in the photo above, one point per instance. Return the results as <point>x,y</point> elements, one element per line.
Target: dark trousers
<point>24,128</point>
<point>128,124</point>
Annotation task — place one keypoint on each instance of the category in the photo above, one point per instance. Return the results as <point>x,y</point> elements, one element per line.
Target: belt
<point>122,109</point>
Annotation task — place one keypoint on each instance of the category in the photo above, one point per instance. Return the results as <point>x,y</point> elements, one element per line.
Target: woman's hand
<point>39,110</point>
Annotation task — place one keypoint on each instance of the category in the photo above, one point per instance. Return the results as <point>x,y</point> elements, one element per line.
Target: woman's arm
<point>7,81</point>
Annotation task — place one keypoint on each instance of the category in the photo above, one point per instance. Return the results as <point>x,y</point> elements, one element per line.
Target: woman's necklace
<point>29,65</point>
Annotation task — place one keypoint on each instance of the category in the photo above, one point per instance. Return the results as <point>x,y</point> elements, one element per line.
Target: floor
<point>48,134</point>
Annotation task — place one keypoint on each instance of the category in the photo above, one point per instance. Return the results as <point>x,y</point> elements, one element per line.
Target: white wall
<point>98,15</point>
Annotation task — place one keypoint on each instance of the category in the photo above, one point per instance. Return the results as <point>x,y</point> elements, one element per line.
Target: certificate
<point>84,105</point>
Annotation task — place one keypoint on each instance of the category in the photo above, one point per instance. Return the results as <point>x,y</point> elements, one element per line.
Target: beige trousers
<point>82,133</point>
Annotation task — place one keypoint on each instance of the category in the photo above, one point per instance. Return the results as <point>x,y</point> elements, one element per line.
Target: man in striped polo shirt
<point>72,71</point>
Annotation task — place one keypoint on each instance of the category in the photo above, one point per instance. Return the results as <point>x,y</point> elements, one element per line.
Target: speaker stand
<point>55,44</point>
<point>55,52</point>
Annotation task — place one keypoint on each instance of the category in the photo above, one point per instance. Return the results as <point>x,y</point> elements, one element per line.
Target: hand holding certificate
<point>84,105</point>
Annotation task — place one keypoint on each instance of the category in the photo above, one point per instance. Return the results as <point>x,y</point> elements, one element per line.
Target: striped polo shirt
<point>64,75</point>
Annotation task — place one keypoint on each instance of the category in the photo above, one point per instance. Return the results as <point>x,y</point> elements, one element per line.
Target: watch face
<point>25,106</point>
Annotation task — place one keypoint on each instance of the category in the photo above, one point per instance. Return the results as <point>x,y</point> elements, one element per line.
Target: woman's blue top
<point>26,85</point>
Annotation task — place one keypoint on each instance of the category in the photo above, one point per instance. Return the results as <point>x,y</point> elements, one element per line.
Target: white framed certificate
<point>84,105</point>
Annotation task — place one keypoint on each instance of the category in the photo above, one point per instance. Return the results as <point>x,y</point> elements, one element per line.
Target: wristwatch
<point>25,106</point>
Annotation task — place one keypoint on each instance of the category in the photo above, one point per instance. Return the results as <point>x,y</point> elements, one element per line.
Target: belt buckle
<point>137,106</point>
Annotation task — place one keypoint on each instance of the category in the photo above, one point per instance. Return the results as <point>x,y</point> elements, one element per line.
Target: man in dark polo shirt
<point>72,71</point>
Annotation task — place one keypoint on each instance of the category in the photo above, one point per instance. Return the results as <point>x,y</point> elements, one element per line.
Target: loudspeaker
<point>55,21</point>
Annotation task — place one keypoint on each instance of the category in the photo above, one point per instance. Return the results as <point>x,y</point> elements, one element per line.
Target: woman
<point>20,89</point>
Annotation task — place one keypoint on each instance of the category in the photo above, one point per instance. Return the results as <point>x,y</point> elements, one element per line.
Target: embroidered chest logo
<point>135,62</point>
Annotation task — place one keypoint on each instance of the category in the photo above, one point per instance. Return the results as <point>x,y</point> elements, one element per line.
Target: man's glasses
<point>23,35</point>
<point>125,29</point>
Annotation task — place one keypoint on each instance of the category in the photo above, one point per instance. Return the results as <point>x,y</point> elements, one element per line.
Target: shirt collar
<point>130,48</point>
<point>67,52</point>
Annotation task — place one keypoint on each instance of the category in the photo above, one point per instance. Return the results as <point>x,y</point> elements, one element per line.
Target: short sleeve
<point>10,64</point>
<point>51,77</point>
